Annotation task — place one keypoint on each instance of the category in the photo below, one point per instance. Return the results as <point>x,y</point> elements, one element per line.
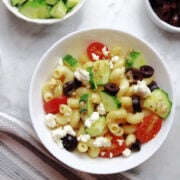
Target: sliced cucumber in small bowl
<point>43,11</point>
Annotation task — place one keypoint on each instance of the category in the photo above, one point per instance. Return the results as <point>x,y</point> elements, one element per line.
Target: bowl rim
<point>159,22</point>
<point>91,30</point>
<point>15,12</point>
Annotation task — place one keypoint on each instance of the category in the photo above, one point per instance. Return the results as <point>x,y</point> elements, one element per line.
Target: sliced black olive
<point>71,86</point>
<point>77,83</point>
<point>147,71</point>
<point>136,146</point>
<point>69,142</point>
<point>68,88</point>
<point>174,20</point>
<point>136,104</point>
<point>111,88</point>
<point>134,75</point>
<point>153,85</point>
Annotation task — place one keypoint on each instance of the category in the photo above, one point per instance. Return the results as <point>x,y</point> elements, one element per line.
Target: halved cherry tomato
<point>52,106</point>
<point>148,129</point>
<point>118,145</point>
<point>96,48</point>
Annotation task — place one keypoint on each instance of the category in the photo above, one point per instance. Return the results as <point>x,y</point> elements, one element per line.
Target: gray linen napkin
<point>17,137</point>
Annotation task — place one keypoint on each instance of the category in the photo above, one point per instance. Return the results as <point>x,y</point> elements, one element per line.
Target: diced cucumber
<point>35,9</point>
<point>135,59</point>
<point>97,127</point>
<point>101,72</point>
<point>70,61</point>
<point>17,2</point>
<point>59,10</point>
<point>51,2</point>
<point>71,3</point>
<point>86,106</point>
<point>92,80</point>
<point>21,2</point>
<point>110,102</point>
<point>14,2</point>
<point>159,103</point>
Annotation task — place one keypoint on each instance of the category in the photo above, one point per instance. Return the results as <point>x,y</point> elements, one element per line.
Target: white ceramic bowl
<point>160,23</point>
<point>75,44</point>
<point>14,10</point>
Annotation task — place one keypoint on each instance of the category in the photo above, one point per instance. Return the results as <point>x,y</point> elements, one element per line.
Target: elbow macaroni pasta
<point>121,121</point>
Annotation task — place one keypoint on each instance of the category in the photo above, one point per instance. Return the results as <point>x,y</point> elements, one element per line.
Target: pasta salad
<point>105,103</point>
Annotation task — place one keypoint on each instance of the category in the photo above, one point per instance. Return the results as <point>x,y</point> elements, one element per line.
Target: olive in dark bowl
<point>165,14</point>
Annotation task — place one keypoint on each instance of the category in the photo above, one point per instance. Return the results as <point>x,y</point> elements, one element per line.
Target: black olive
<point>77,83</point>
<point>147,71</point>
<point>153,85</point>
<point>68,88</point>
<point>174,20</point>
<point>111,88</point>
<point>136,146</point>
<point>134,75</point>
<point>156,2</point>
<point>69,142</point>
<point>136,104</point>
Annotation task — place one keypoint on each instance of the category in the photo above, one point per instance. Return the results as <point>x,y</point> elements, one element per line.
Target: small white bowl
<point>75,44</point>
<point>160,23</point>
<point>15,11</point>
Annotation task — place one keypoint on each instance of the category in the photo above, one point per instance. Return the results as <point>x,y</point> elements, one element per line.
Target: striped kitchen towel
<point>22,157</point>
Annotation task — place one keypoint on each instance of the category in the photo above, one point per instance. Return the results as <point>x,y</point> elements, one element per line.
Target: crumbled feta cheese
<point>101,109</point>
<point>60,132</point>
<point>50,120</point>
<point>95,57</point>
<point>69,130</point>
<point>57,134</point>
<point>60,144</point>
<point>84,138</point>
<point>120,142</point>
<point>103,153</point>
<point>82,75</point>
<point>142,89</point>
<point>105,51</point>
<point>126,152</point>
<point>102,142</point>
<point>89,121</point>
<point>115,59</point>
<point>110,155</point>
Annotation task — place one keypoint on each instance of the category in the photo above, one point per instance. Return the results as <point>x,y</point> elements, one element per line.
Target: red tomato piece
<point>96,48</point>
<point>149,128</point>
<point>52,106</point>
<point>118,145</point>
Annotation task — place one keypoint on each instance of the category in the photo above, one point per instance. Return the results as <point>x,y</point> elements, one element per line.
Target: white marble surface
<point>23,44</point>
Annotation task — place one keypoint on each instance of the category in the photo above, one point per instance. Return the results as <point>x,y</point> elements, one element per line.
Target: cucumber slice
<point>35,9</point>
<point>70,61</point>
<point>21,2</point>
<point>159,103</point>
<point>59,10</point>
<point>85,104</point>
<point>101,72</point>
<point>14,2</point>
<point>110,102</point>
<point>51,2</point>
<point>71,3</point>
<point>135,59</point>
<point>92,80</point>
<point>97,127</point>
